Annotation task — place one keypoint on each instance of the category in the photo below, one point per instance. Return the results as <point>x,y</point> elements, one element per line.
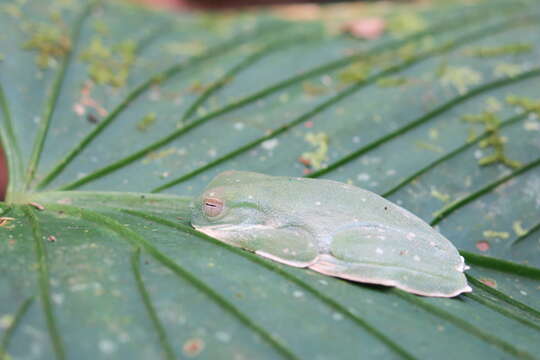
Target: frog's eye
<point>212,207</point>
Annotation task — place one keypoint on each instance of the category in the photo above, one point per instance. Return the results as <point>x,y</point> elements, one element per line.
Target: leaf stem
<point>256,96</point>
<point>11,149</point>
<point>464,325</point>
<point>501,265</point>
<point>443,213</point>
<point>139,90</point>
<point>429,116</point>
<point>450,155</point>
<point>43,282</point>
<point>50,105</point>
<point>138,241</point>
<point>269,266</point>
<point>147,301</point>
<point>505,298</point>
<point>8,333</point>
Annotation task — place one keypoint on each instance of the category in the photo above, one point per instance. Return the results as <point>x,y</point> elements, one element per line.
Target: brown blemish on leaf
<point>367,28</point>
<point>489,282</point>
<point>313,89</point>
<point>193,347</point>
<point>86,100</point>
<point>37,206</point>
<point>4,221</point>
<point>483,245</point>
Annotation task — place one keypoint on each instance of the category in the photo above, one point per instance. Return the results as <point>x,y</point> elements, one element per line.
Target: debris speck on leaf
<point>439,195</point>
<point>51,238</point>
<point>86,100</point>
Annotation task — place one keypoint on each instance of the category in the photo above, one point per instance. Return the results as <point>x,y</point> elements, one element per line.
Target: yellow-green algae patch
<point>320,154</point>
<point>51,43</point>
<point>109,65</point>
<point>506,49</point>
<point>494,140</point>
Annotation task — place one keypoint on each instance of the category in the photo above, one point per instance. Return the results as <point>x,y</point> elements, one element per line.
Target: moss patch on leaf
<point>405,23</point>
<point>146,122</point>
<point>506,49</point>
<point>109,65</point>
<point>392,81</point>
<point>316,158</point>
<point>527,104</point>
<point>51,43</point>
<point>494,140</point>
<point>460,77</point>
<point>355,72</point>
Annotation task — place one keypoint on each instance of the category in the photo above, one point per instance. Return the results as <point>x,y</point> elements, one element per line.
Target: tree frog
<point>330,227</point>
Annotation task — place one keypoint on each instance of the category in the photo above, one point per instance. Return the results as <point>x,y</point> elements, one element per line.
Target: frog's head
<point>232,205</point>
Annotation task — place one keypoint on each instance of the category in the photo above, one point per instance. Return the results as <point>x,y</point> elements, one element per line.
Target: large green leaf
<point>103,104</point>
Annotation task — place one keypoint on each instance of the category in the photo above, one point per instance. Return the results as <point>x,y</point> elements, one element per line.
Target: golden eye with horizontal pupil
<point>212,207</point>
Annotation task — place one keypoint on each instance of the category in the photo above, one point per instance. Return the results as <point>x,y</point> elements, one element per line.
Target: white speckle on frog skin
<point>212,194</point>
<point>391,172</point>
<point>337,316</point>
<point>298,294</point>
<point>212,152</point>
<point>523,292</point>
<point>318,203</point>
<point>381,237</point>
<point>250,197</point>
<point>270,144</point>
<point>239,126</point>
<point>411,236</point>
<point>416,258</point>
<point>379,251</point>
<point>356,139</point>
<point>286,250</point>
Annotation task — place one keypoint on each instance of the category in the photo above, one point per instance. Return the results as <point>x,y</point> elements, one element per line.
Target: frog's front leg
<point>289,245</point>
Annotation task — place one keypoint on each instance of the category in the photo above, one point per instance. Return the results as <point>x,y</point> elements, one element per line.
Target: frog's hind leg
<point>385,256</point>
